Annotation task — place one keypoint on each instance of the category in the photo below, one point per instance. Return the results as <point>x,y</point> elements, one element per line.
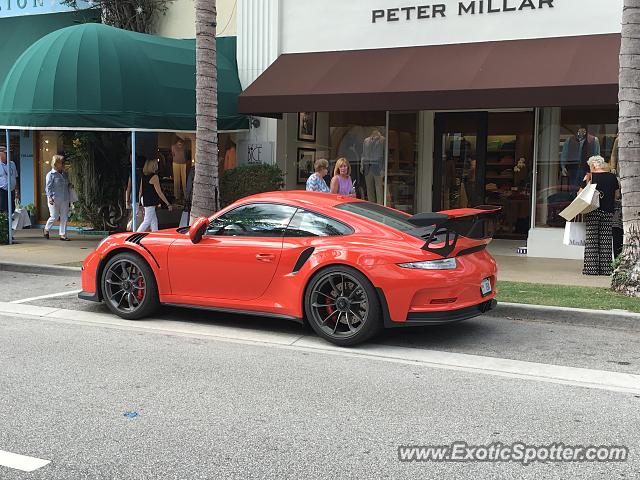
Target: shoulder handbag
<point>73,196</point>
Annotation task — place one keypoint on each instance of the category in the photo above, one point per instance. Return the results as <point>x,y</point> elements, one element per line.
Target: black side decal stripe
<point>468,251</point>
<point>151,254</point>
<point>304,256</point>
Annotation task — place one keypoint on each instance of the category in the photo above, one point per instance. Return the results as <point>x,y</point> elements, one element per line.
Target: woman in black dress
<point>598,252</point>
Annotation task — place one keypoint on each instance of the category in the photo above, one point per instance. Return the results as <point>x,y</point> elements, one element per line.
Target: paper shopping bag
<point>575,234</point>
<point>586,201</point>
<point>184,219</point>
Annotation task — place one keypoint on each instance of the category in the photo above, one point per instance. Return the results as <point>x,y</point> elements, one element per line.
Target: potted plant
<point>31,209</point>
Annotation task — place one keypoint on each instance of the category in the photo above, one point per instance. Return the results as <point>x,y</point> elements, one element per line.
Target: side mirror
<point>196,231</point>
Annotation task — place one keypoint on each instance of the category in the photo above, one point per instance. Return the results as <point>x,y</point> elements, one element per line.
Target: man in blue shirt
<point>7,169</point>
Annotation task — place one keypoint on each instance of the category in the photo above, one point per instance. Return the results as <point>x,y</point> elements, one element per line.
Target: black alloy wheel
<point>129,287</point>
<point>342,306</point>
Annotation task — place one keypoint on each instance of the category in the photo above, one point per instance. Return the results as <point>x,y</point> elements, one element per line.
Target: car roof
<point>302,198</point>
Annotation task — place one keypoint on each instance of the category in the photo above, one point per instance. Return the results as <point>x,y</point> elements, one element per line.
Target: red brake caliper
<point>329,308</point>
<point>140,292</point>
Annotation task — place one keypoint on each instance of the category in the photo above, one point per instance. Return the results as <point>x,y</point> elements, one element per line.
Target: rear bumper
<point>415,319</point>
<point>91,296</point>
<point>440,318</point>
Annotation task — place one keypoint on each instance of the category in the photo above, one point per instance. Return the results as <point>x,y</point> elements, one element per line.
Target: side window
<point>253,220</point>
<point>309,224</point>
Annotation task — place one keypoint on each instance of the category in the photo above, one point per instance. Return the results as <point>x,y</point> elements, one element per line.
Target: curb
<point>56,270</point>
<point>614,319</point>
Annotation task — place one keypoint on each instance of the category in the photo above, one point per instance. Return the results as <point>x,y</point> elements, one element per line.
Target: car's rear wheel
<point>129,287</point>
<point>342,306</point>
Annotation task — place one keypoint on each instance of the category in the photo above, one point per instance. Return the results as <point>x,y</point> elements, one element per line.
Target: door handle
<point>265,257</point>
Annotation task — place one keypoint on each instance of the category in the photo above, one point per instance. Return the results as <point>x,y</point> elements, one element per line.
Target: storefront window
<point>459,143</point>
<point>508,171</point>
<point>174,155</point>
<point>567,138</point>
<point>402,164</point>
<point>360,137</point>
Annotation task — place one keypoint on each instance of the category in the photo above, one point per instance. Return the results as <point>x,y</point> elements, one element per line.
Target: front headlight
<point>444,264</point>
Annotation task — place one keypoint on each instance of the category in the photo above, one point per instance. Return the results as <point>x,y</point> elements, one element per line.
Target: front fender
<point>113,250</point>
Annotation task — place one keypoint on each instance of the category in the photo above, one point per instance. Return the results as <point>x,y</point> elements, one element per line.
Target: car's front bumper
<point>91,296</point>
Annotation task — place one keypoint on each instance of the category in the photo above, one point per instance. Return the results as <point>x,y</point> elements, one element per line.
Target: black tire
<point>135,296</point>
<point>342,306</point>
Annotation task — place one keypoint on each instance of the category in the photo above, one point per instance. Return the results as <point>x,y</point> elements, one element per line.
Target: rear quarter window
<point>309,224</point>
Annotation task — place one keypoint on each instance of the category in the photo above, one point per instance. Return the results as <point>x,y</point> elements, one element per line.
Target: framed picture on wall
<point>307,126</point>
<point>306,159</point>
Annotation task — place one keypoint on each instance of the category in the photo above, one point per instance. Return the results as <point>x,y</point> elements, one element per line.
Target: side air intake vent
<point>302,259</point>
<point>136,238</point>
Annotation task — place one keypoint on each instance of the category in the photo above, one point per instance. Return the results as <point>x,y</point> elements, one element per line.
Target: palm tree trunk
<point>627,276</point>
<point>205,185</point>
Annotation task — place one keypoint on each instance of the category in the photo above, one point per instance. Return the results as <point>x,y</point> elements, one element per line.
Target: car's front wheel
<point>342,306</point>
<point>129,287</point>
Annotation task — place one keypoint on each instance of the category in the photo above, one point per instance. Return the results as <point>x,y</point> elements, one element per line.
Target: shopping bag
<point>184,219</point>
<point>139,218</point>
<point>575,234</point>
<point>587,201</point>
<point>20,219</point>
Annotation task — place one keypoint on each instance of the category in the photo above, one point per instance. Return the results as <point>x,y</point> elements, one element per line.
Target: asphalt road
<point>212,407</point>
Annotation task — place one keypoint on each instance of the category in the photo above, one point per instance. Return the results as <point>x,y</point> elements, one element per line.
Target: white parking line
<point>51,295</point>
<point>21,462</point>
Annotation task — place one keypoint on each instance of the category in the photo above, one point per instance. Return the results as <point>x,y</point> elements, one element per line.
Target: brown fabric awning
<point>569,71</point>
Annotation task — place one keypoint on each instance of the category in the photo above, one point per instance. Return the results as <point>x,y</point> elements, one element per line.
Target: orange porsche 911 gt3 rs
<point>347,267</point>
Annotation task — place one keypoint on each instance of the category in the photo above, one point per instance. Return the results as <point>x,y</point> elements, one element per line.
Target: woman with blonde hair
<point>57,191</point>
<point>598,251</point>
<point>151,195</point>
<point>341,182</point>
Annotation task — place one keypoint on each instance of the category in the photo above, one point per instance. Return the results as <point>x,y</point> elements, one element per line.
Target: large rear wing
<point>443,229</point>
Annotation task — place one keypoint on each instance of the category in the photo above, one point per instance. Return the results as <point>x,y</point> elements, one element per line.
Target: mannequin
<point>179,168</point>
<point>373,165</point>
<point>576,150</point>
<point>230,156</point>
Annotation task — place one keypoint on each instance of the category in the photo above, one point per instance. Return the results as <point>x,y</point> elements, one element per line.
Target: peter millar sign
<point>469,7</point>
<point>15,8</point>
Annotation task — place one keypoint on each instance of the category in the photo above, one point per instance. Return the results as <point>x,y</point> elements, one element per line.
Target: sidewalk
<point>520,268</point>
<point>33,249</point>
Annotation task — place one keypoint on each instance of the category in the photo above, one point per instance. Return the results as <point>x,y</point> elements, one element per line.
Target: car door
<point>237,257</point>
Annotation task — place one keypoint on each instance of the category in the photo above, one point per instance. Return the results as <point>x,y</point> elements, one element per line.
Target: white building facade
<point>475,102</point>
